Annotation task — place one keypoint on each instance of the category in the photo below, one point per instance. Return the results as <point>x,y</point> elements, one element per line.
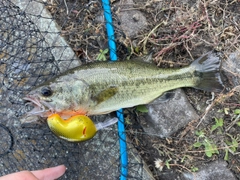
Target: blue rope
<point>110,30</point>
<point>113,57</point>
<point>123,145</point>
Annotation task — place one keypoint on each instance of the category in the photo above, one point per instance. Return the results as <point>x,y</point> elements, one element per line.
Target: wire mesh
<point>32,51</point>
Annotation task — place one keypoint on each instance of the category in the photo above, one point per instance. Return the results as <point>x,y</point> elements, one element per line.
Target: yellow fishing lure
<point>77,128</point>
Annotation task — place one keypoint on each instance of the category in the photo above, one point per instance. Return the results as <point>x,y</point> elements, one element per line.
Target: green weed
<point>210,147</point>
<point>219,123</point>
<point>102,55</point>
<point>142,108</point>
<point>231,146</point>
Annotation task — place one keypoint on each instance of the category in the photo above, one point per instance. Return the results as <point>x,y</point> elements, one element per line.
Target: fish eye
<point>46,91</point>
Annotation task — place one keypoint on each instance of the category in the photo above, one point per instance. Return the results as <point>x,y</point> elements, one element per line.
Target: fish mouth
<point>39,107</point>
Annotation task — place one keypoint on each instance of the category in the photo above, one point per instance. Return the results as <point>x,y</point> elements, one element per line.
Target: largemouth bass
<point>103,87</point>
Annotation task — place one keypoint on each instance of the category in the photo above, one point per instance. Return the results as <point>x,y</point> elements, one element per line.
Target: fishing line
<point>113,57</point>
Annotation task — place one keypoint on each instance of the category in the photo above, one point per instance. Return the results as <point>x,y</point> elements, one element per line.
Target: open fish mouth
<point>36,106</point>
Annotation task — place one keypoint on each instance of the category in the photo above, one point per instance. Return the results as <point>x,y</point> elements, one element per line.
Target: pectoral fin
<point>106,94</point>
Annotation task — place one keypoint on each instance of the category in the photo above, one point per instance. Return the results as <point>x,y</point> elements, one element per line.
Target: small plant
<point>219,123</point>
<point>142,108</point>
<point>232,146</point>
<point>200,134</point>
<point>194,169</point>
<point>102,55</point>
<point>210,146</point>
<point>237,113</point>
<point>167,163</point>
<point>238,123</point>
<point>128,120</point>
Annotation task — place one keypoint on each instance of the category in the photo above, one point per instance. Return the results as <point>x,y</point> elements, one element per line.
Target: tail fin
<point>207,67</point>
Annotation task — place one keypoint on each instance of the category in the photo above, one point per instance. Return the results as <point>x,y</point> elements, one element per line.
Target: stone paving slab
<point>213,171</point>
<point>165,118</point>
<point>43,20</point>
